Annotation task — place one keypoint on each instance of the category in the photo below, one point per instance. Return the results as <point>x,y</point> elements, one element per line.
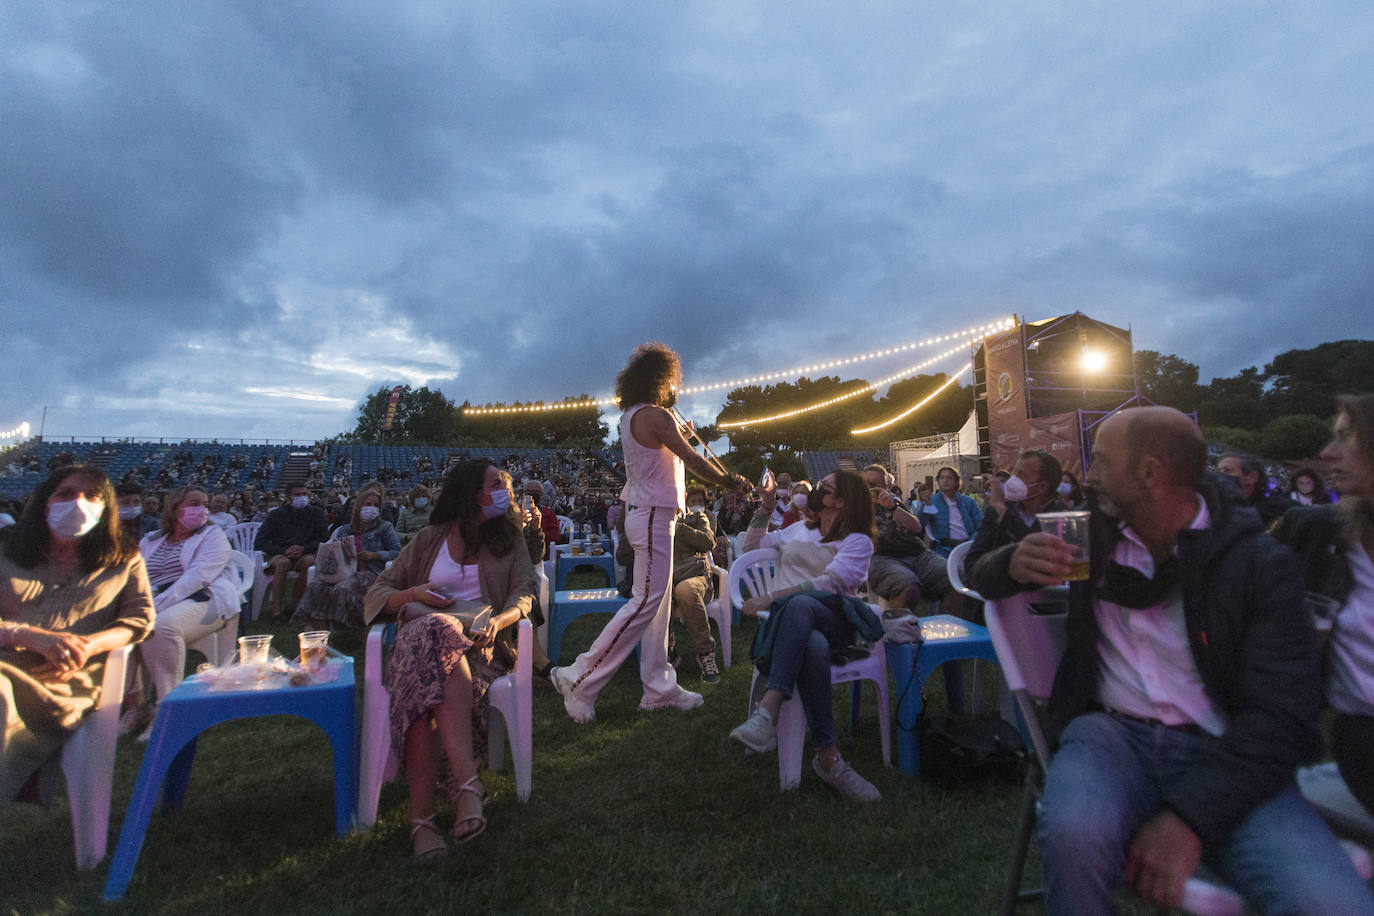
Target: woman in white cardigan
<point>195,589</point>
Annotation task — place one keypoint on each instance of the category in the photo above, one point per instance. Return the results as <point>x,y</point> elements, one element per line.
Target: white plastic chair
<point>757,569</point>
<point>241,538</point>
<point>88,764</point>
<point>1029,647</point>
<point>565,526</point>
<point>511,695</point>
<point>720,611</point>
<point>219,645</point>
<point>955,568</point>
<point>541,582</point>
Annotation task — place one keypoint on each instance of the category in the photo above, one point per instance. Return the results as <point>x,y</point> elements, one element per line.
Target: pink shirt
<point>1147,664</point>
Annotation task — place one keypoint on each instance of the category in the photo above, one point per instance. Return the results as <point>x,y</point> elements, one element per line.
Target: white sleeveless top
<point>653,476</point>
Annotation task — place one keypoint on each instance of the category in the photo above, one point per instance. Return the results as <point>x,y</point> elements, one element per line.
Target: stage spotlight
<point>1094,360</point>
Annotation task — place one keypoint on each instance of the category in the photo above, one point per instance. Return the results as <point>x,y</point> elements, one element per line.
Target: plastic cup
<point>253,649</point>
<point>314,648</point>
<point>1071,528</point>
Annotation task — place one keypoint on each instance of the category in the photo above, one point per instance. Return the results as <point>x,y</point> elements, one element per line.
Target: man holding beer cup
<point>1187,695</point>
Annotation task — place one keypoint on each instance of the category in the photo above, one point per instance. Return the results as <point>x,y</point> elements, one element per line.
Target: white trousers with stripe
<point>643,620</point>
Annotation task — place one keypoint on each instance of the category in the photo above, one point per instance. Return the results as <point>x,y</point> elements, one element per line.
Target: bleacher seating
<point>820,463</point>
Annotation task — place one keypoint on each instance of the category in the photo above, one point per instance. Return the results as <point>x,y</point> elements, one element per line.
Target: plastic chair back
<point>955,569</point>
<point>565,526</point>
<point>755,570</point>
<point>242,536</point>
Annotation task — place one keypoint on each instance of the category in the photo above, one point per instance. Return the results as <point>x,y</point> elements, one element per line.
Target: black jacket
<point>1318,535</point>
<point>1000,530</point>
<point>286,526</point>
<point>1253,647</point>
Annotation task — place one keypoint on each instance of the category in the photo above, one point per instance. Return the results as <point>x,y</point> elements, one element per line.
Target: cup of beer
<point>314,647</point>
<point>1072,529</point>
<point>253,649</point>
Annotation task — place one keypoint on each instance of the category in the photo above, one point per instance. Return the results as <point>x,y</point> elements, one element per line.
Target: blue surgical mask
<point>421,502</point>
<point>500,502</point>
<point>1065,488</point>
<point>369,513</point>
<point>300,502</point>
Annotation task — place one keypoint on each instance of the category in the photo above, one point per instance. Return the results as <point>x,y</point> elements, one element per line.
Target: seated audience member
<point>953,517</point>
<point>1305,488</point>
<point>1012,506</point>
<point>531,528</point>
<point>1335,545</point>
<point>289,537</point>
<point>219,512</point>
<point>813,619</point>
<point>414,516</point>
<point>72,587</point>
<point>1248,473</point>
<point>1070,491</point>
<point>1187,695</point>
<point>784,486</point>
<point>796,505</point>
<point>330,604</point>
<point>195,591</point>
<point>133,520</point>
<point>693,541</point>
<point>904,570</point>
<point>471,556</point>
<point>548,518</point>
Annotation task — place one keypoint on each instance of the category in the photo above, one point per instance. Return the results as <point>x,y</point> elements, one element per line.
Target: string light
<point>22,431</point>
<point>1001,324</point>
<point>917,406</point>
<point>908,371</point>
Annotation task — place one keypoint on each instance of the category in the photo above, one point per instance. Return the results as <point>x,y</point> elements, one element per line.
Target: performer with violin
<point>656,450</point>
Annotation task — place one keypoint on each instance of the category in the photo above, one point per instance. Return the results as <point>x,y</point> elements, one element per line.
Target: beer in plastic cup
<point>314,647</point>
<point>1072,528</point>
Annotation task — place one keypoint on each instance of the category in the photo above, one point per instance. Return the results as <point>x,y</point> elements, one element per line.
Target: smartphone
<point>438,595</point>
<point>527,502</point>
<point>767,482</point>
<point>481,621</point>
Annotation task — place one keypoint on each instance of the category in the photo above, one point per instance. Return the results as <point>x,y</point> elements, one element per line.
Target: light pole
<point>42,424</point>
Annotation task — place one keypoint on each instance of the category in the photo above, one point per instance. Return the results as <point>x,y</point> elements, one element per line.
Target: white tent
<point>915,460</point>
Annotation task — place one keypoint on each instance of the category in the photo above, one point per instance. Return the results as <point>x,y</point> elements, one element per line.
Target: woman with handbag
<point>347,564</point>
<point>813,617</point>
<point>457,584</point>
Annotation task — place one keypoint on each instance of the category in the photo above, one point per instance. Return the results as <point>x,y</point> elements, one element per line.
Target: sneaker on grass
<point>579,709</point>
<point>758,733</point>
<point>682,699</point>
<point>845,781</point>
<point>710,674</point>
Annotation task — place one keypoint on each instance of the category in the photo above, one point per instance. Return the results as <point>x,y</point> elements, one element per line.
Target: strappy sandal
<point>473,785</point>
<point>436,846</point>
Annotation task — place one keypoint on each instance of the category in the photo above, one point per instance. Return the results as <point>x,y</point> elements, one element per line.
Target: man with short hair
<point>903,569</point>
<point>1012,506</point>
<point>132,519</point>
<point>1248,473</point>
<point>289,536</point>
<point>1187,695</point>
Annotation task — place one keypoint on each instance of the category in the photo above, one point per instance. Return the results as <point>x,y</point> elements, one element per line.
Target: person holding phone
<point>655,455</point>
<point>458,583</point>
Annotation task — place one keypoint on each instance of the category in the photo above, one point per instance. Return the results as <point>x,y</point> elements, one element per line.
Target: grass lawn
<point>636,813</point>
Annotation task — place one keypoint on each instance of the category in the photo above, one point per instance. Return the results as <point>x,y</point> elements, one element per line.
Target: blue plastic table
<point>946,639</point>
<point>190,709</point>
<point>567,563</point>
<point>571,604</point>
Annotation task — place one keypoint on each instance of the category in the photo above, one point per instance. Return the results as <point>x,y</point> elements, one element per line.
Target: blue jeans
<point>1106,780</point>
<point>806,634</point>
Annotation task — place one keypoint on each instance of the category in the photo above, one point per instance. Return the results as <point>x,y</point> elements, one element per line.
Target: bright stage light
<point>1094,360</point>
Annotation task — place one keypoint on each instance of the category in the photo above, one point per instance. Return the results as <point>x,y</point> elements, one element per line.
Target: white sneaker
<point>683,699</point>
<point>579,709</point>
<point>848,783</point>
<point>758,733</point>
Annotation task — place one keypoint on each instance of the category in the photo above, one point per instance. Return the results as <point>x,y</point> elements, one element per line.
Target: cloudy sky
<point>240,218</point>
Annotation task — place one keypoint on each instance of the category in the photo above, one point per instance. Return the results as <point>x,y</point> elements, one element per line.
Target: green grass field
<point>635,813</point>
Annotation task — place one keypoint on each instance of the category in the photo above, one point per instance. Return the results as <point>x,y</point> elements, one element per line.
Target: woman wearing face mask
<point>328,604</point>
<point>71,589</point>
<point>1070,491</point>
<point>472,556</point>
<point>195,591</point>
<point>812,621</point>
<point>796,506</point>
<point>414,516</point>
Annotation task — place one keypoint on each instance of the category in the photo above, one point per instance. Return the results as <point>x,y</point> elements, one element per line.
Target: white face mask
<point>129,513</point>
<point>421,502</point>
<point>369,513</point>
<point>500,502</point>
<point>798,501</point>
<point>71,519</point>
<point>1015,489</point>
<point>300,502</point>
<point>697,507</point>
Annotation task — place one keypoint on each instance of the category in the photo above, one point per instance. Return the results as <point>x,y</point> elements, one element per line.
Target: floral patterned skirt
<point>341,604</point>
<point>426,651</point>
